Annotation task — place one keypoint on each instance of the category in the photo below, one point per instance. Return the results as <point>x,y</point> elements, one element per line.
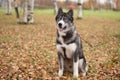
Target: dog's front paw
<point>75,76</point>
<point>84,74</point>
<point>60,73</point>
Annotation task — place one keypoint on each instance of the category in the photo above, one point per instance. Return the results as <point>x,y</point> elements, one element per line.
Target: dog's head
<point>64,20</point>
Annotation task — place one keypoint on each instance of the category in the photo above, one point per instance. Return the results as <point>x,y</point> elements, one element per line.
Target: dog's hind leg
<point>83,66</point>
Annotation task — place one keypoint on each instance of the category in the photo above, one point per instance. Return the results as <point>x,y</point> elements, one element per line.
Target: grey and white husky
<point>69,46</point>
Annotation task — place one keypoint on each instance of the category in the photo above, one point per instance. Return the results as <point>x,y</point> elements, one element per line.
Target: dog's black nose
<point>60,25</point>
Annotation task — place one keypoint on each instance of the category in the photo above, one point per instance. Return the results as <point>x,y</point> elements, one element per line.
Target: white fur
<point>80,63</point>
<point>70,49</point>
<point>60,73</point>
<point>75,69</point>
<point>62,22</point>
<point>61,39</point>
<point>63,25</point>
<point>80,66</point>
<point>84,73</point>
<point>59,49</point>
<point>62,33</point>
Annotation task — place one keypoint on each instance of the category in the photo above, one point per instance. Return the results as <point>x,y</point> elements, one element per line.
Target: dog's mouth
<point>62,29</point>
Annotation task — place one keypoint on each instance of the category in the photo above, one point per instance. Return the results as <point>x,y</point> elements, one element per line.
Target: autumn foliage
<point>28,52</point>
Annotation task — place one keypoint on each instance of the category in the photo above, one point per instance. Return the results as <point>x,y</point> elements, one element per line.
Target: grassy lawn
<point>29,52</point>
<point>87,13</point>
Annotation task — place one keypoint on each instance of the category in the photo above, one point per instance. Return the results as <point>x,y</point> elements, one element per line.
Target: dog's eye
<point>60,17</point>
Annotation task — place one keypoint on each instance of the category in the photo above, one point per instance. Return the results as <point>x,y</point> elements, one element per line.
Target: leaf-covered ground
<point>28,52</point>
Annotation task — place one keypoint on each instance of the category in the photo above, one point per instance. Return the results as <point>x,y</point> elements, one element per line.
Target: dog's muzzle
<point>61,27</point>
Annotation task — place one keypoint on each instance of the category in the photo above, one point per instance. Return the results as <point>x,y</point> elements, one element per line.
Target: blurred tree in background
<point>87,4</point>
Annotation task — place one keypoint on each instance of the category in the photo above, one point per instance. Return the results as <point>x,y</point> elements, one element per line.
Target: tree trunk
<point>25,11</point>
<point>80,9</point>
<point>55,7</point>
<point>16,6</point>
<point>66,2</point>
<point>93,3</point>
<point>9,7</point>
<point>115,4</point>
<point>28,11</point>
<point>0,3</point>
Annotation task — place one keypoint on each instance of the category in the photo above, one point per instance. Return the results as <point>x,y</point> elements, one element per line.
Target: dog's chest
<point>67,50</point>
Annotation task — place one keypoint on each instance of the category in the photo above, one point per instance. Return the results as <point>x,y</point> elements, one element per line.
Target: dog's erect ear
<point>60,11</point>
<point>70,12</point>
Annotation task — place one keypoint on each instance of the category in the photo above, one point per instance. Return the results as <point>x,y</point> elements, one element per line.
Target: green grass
<point>2,11</point>
<point>102,13</point>
<point>45,11</point>
<point>86,13</point>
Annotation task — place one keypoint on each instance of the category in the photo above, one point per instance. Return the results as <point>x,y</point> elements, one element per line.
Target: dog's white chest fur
<point>69,49</point>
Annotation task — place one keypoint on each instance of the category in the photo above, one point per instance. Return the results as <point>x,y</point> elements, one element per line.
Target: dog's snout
<point>60,25</point>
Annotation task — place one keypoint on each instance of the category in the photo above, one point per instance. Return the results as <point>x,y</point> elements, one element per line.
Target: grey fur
<point>68,40</point>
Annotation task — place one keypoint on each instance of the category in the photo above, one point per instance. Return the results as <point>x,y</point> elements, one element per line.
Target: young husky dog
<point>69,46</point>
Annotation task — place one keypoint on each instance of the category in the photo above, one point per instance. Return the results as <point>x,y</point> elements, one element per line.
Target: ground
<point>28,52</point>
